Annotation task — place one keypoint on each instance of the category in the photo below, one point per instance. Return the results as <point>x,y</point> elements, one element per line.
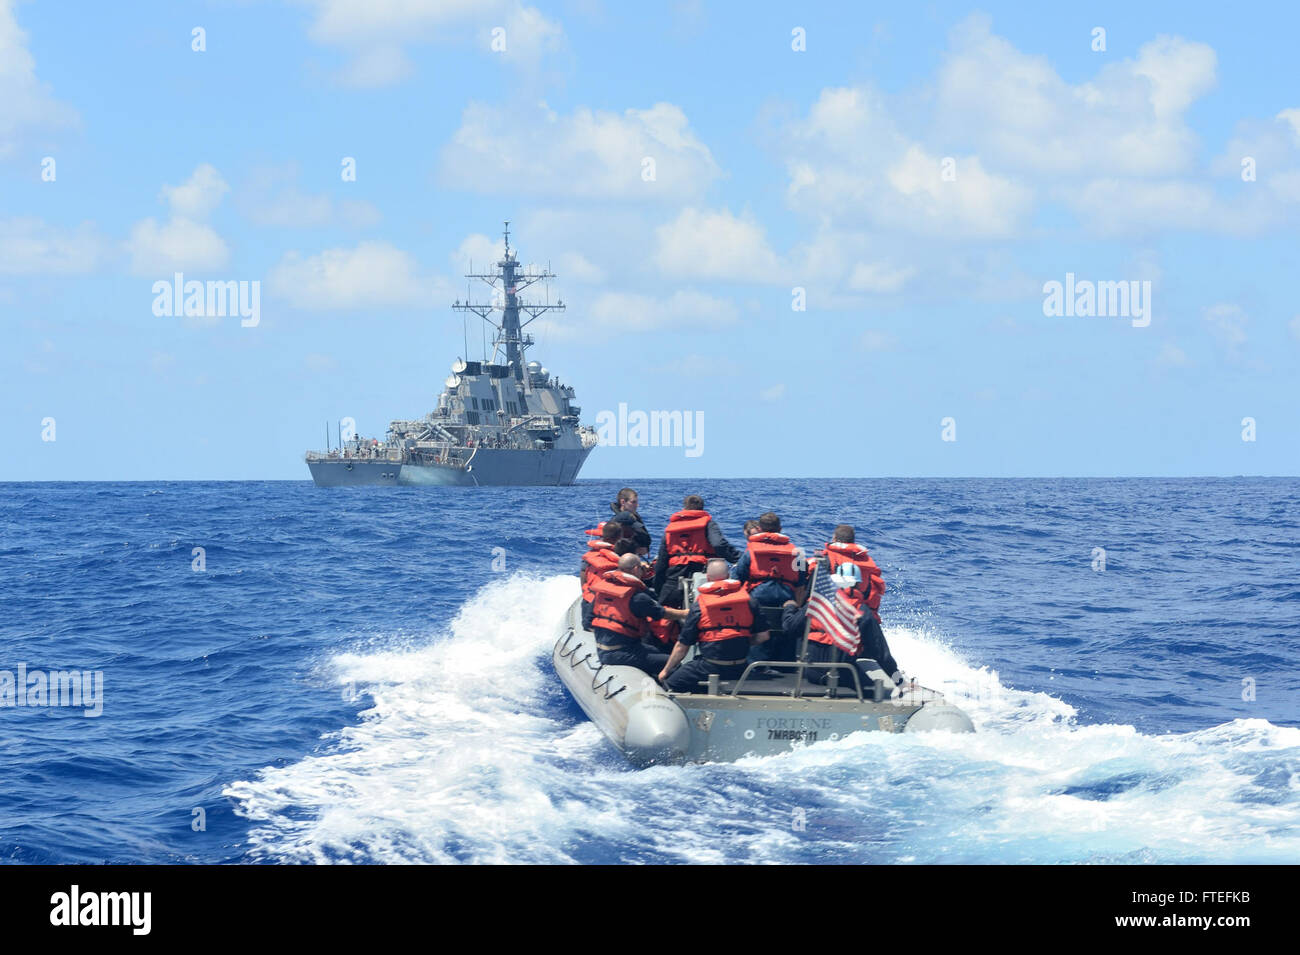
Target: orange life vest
<point>867,595</point>
<point>724,611</point>
<point>771,557</point>
<point>665,631</point>
<point>596,531</point>
<point>611,604</point>
<point>873,581</point>
<point>686,538</point>
<point>598,559</point>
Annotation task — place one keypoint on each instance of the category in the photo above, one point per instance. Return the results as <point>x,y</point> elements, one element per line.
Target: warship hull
<point>490,467</point>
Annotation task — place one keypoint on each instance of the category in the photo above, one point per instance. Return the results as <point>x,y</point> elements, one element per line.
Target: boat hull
<point>489,467</point>
<point>651,725</point>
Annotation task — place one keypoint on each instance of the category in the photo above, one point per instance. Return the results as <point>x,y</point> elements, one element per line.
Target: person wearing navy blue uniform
<point>773,571</point>
<point>618,617</point>
<point>721,625</point>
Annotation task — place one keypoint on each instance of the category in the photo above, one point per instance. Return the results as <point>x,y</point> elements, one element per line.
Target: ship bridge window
<point>475,400</point>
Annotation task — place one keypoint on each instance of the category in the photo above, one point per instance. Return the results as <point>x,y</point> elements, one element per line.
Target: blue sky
<point>775,169</point>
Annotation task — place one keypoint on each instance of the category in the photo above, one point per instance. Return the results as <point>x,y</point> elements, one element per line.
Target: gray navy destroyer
<point>504,421</point>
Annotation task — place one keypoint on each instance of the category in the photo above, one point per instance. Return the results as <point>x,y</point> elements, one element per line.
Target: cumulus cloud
<point>272,198</point>
<point>174,246</point>
<point>1020,114</point>
<point>374,35</point>
<point>586,154</point>
<point>1227,323</point>
<point>26,103</point>
<point>716,245</point>
<point>182,242</point>
<point>370,274</point>
<point>29,246</point>
<point>614,313</point>
<point>848,161</point>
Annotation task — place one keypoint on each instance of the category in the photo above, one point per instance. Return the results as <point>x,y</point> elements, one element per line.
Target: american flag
<point>836,615</point>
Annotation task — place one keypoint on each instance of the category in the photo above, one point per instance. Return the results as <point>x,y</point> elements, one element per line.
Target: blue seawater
<point>362,675</point>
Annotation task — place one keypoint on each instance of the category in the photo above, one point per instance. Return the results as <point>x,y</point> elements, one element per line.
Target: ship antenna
<point>507,221</point>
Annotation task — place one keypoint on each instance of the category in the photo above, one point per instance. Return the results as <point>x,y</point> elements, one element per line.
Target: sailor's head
<point>716,569</point>
<point>610,532</point>
<point>847,575</point>
<point>629,564</point>
<point>751,527</point>
<point>843,534</point>
<point>626,500</point>
<point>769,523</point>
<point>693,502</point>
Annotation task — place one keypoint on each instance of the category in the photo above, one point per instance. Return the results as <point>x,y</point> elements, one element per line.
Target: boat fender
<point>939,716</point>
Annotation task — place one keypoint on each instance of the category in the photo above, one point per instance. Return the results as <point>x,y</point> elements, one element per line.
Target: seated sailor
<point>599,558</point>
<point>840,618</point>
<point>619,616</point>
<point>774,571</point>
<point>690,539</point>
<point>723,622</point>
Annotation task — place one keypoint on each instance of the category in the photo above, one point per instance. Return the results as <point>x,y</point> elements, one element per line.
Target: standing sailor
<point>626,503</point>
<point>690,539</point>
<point>619,616</point>
<point>723,622</point>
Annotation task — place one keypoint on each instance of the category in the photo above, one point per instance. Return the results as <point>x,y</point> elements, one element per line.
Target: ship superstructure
<point>503,421</point>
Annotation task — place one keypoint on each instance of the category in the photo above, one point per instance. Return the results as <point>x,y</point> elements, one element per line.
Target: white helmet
<point>847,575</point>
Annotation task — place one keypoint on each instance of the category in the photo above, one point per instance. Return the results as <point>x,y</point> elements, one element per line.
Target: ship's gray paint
<point>496,424</point>
<point>490,468</point>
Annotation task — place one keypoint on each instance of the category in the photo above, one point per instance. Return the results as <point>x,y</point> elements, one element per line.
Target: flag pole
<point>807,619</point>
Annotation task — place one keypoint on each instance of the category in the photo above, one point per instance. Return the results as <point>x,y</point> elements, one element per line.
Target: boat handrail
<point>800,665</point>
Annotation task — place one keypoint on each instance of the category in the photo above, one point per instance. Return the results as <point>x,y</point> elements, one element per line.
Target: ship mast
<point>509,331</point>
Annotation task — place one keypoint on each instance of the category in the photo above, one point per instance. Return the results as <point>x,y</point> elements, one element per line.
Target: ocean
<point>300,675</point>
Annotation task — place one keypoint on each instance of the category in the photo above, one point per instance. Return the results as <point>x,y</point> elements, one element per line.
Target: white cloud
<point>1227,323</point>
<point>1171,356</point>
<point>1294,325</point>
<point>272,198</point>
<point>25,102</point>
<point>29,246</point>
<point>586,154</point>
<point>375,34</point>
<point>372,274</point>
<point>774,393</point>
<point>716,245</point>
<point>614,313</point>
<point>848,162</point>
<point>199,195</point>
<point>182,242</point>
<point>175,245</point>
<point>879,277</point>
<point>1018,111</point>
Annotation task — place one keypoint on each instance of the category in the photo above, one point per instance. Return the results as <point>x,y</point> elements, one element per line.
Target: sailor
<point>751,527</point>
<point>723,622</point>
<point>619,616</point>
<point>690,539</point>
<point>861,584</point>
<point>625,503</point>
<point>599,558</point>
<point>774,571</point>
